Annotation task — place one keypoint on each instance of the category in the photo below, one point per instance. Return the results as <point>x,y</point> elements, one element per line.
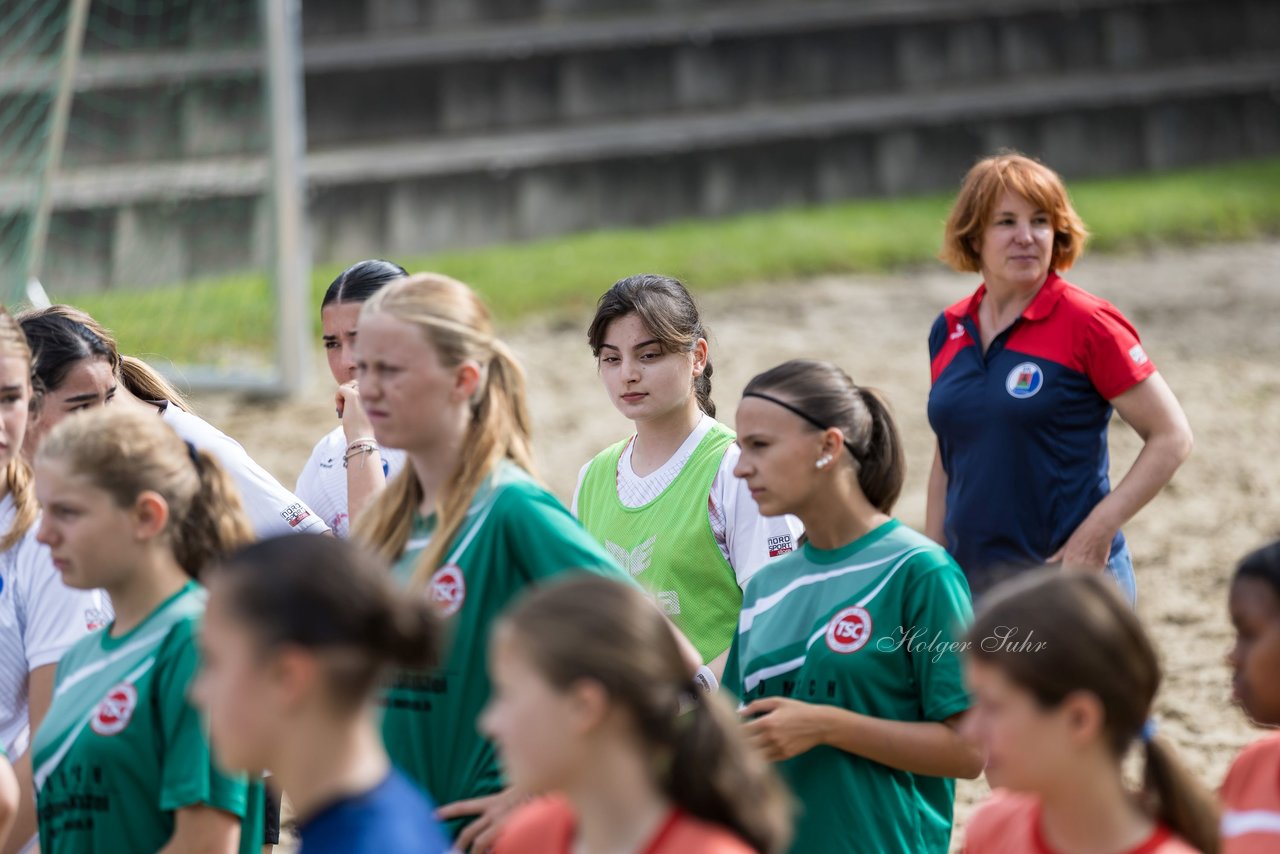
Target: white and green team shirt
<point>868,627</point>
<point>516,534</point>
<point>40,619</point>
<point>121,749</point>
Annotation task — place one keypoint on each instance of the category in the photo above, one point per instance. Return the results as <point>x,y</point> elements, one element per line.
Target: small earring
<point>823,462</point>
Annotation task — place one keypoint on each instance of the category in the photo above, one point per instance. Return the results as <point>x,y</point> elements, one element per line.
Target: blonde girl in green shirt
<point>121,759</point>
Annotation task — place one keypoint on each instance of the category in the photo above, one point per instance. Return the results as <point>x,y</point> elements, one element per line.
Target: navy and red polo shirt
<point>1022,429</point>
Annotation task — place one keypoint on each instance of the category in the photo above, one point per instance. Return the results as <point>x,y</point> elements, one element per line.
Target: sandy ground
<point>1210,318</point>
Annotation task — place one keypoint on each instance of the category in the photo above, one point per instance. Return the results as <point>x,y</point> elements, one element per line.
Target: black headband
<point>800,412</point>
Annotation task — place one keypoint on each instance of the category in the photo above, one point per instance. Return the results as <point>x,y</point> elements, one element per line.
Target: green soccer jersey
<point>121,749</point>
<point>667,544</point>
<point>869,627</point>
<point>516,534</point>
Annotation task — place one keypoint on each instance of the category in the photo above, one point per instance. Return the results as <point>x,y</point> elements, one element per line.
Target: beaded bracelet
<point>358,448</point>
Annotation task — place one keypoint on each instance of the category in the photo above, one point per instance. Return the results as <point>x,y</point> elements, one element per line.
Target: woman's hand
<point>784,728</point>
<point>355,423</point>
<point>491,812</point>
<point>1155,415</point>
<point>1088,548</point>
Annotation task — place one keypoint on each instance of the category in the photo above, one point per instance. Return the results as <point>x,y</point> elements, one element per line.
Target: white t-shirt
<point>40,618</point>
<point>746,539</point>
<point>272,509</point>
<point>323,482</point>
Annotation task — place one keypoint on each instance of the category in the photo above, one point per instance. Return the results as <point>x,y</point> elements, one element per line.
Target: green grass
<point>221,320</point>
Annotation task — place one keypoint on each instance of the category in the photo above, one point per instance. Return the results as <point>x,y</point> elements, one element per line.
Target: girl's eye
<point>331,345</point>
<point>609,359</point>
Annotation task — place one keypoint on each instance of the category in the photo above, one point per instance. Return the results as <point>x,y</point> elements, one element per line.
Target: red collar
<point>1041,305</point>
<point>1159,836</point>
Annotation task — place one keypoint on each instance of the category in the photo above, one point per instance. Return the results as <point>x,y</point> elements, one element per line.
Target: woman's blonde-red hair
<point>982,187</point>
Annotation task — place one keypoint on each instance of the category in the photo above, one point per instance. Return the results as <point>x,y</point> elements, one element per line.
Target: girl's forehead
<point>626,330</point>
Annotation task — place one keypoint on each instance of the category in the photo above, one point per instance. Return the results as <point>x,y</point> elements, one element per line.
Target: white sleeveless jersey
<point>322,485</point>
<point>40,618</point>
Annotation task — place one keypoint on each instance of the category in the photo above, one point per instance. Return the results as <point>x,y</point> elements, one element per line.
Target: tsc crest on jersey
<point>115,711</point>
<point>448,589</point>
<point>849,630</point>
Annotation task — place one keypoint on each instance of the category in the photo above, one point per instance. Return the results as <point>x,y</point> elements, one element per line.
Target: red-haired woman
<point>1026,372</point>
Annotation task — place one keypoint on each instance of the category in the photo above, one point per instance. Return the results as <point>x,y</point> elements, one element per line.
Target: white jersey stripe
<point>419,543</point>
<point>753,679</point>
<point>474,529</point>
<point>85,672</point>
<point>748,615</point>
<point>1239,823</point>
<point>51,764</point>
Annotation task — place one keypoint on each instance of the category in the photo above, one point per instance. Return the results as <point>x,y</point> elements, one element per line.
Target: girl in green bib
<point>465,523</point>
<point>121,760</point>
<point>665,501</point>
<point>845,655</point>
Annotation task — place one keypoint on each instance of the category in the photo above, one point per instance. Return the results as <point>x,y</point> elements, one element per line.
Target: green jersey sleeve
<point>938,609</point>
<point>188,775</point>
<point>544,539</point>
<point>731,681</point>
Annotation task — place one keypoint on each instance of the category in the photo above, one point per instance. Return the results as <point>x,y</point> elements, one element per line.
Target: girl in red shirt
<point>1063,677</point>
<point>593,704</point>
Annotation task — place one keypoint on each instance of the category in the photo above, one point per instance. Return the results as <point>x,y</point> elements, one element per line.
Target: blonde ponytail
<point>21,484</point>
<point>215,523</point>
<point>458,326</point>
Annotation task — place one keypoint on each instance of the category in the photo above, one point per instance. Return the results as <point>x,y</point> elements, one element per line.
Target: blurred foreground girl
<point>295,640</point>
<point>1063,678</point>
<point>593,702</point>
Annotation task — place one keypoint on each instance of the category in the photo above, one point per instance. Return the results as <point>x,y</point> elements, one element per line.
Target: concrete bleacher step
<point>374,163</point>
<point>443,123</point>
<point>504,78</point>
<point>673,25</point>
